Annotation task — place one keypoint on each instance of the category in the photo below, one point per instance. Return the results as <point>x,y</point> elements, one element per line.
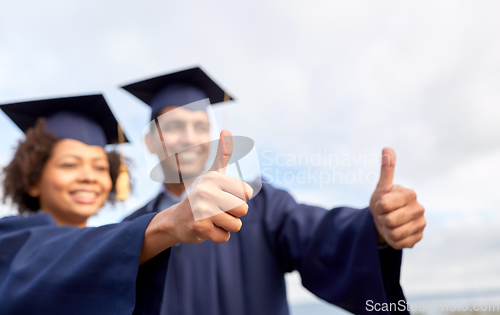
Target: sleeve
<point>335,252</point>
<point>46,269</point>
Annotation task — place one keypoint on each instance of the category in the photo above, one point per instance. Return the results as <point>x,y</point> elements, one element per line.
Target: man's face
<point>186,134</point>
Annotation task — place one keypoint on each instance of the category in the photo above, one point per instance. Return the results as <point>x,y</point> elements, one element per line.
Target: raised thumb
<point>224,152</point>
<point>387,169</point>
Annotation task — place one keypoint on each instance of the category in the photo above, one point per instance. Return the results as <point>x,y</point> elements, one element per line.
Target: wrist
<point>159,235</point>
<point>380,238</point>
<point>167,226</point>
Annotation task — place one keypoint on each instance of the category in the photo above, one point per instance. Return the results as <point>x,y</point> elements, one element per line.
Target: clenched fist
<point>398,216</point>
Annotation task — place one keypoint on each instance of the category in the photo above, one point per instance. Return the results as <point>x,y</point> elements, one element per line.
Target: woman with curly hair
<point>50,262</point>
<point>35,161</point>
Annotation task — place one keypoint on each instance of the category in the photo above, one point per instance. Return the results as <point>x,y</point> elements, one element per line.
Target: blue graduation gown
<point>335,252</point>
<point>49,269</point>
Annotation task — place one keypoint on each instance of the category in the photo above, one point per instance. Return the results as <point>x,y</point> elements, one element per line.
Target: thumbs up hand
<point>210,211</point>
<point>212,208</point>
<point>398,216</point>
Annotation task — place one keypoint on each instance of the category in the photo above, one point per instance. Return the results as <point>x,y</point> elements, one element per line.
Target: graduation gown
<point>335,252</point>
<point>50,269</point>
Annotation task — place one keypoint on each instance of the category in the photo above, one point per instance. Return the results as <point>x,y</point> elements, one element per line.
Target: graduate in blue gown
<point>346,256</point>
<point>50,262</point>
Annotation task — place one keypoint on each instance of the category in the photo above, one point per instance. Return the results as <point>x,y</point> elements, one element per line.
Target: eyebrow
<point>198,121</point>
<point>78,157</point>
<point>168,121</point>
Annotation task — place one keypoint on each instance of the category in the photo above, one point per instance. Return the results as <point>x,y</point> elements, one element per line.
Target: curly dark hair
<point>26,168</point>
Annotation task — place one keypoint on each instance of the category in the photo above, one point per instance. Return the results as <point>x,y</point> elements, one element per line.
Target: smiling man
<point>345,256</point>
<point>181,136</point>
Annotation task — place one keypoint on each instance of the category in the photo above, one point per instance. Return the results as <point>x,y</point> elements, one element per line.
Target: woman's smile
<point>84,196</point>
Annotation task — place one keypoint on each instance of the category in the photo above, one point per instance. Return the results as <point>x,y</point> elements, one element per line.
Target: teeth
<point>188,155</point>
<point>87,194</point>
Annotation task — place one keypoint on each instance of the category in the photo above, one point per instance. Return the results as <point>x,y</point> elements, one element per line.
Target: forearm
<point>158,236</point>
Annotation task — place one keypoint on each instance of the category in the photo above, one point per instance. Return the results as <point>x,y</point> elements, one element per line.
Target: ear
<point>34,191</point>
<point>148,139</point>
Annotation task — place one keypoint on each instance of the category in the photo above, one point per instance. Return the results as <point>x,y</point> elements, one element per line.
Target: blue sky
<point>335,77</point>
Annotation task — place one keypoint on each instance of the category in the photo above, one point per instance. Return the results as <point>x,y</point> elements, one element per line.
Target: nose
<point>87,174</point>
<point>189,135</point>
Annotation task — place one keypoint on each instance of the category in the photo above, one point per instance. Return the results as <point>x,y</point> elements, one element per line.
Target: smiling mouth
<point>84,196</point>
<point>189,156</point>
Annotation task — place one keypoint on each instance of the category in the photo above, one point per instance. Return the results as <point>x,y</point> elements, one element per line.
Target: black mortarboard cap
<point>86,118</point>
<point>177,89</point>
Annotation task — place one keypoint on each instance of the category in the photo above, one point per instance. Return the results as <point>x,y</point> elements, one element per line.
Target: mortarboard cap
<point>177,89</point>
<point>85,118</point>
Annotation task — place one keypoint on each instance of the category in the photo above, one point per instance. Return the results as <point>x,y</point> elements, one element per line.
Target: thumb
<point>224,152</point>
<point>387,169</point>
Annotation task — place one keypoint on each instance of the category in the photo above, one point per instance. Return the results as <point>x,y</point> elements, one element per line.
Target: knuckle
<point>420,210</point>
<point>238,224</point>
<point>420,236</point>
<point>394,235</point>
<point>249,190</point>
<point>390,222</point>
<point>411,194</point>
<point>202,210</point>
<point>240,210</point>
<point>204,192</point>
<point>384,203</point>
<point>200,181</point>
<point>244,209</point>
<point>210,176</point>
<point>424,223</point>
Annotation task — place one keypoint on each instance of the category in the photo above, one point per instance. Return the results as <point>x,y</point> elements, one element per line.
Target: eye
<point>172,126</point>
<point>68,165</point>
<point>101,168</point>
<point>202,127</point>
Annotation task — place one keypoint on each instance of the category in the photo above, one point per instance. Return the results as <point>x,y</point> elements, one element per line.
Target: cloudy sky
<point>337,79</point>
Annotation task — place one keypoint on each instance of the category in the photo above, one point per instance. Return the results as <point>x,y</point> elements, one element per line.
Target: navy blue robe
<point>49,269</point>
<point>335,252</point>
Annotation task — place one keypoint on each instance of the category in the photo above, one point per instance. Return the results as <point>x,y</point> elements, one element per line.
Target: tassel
<point>123,183</point>
<point>123,179</point>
